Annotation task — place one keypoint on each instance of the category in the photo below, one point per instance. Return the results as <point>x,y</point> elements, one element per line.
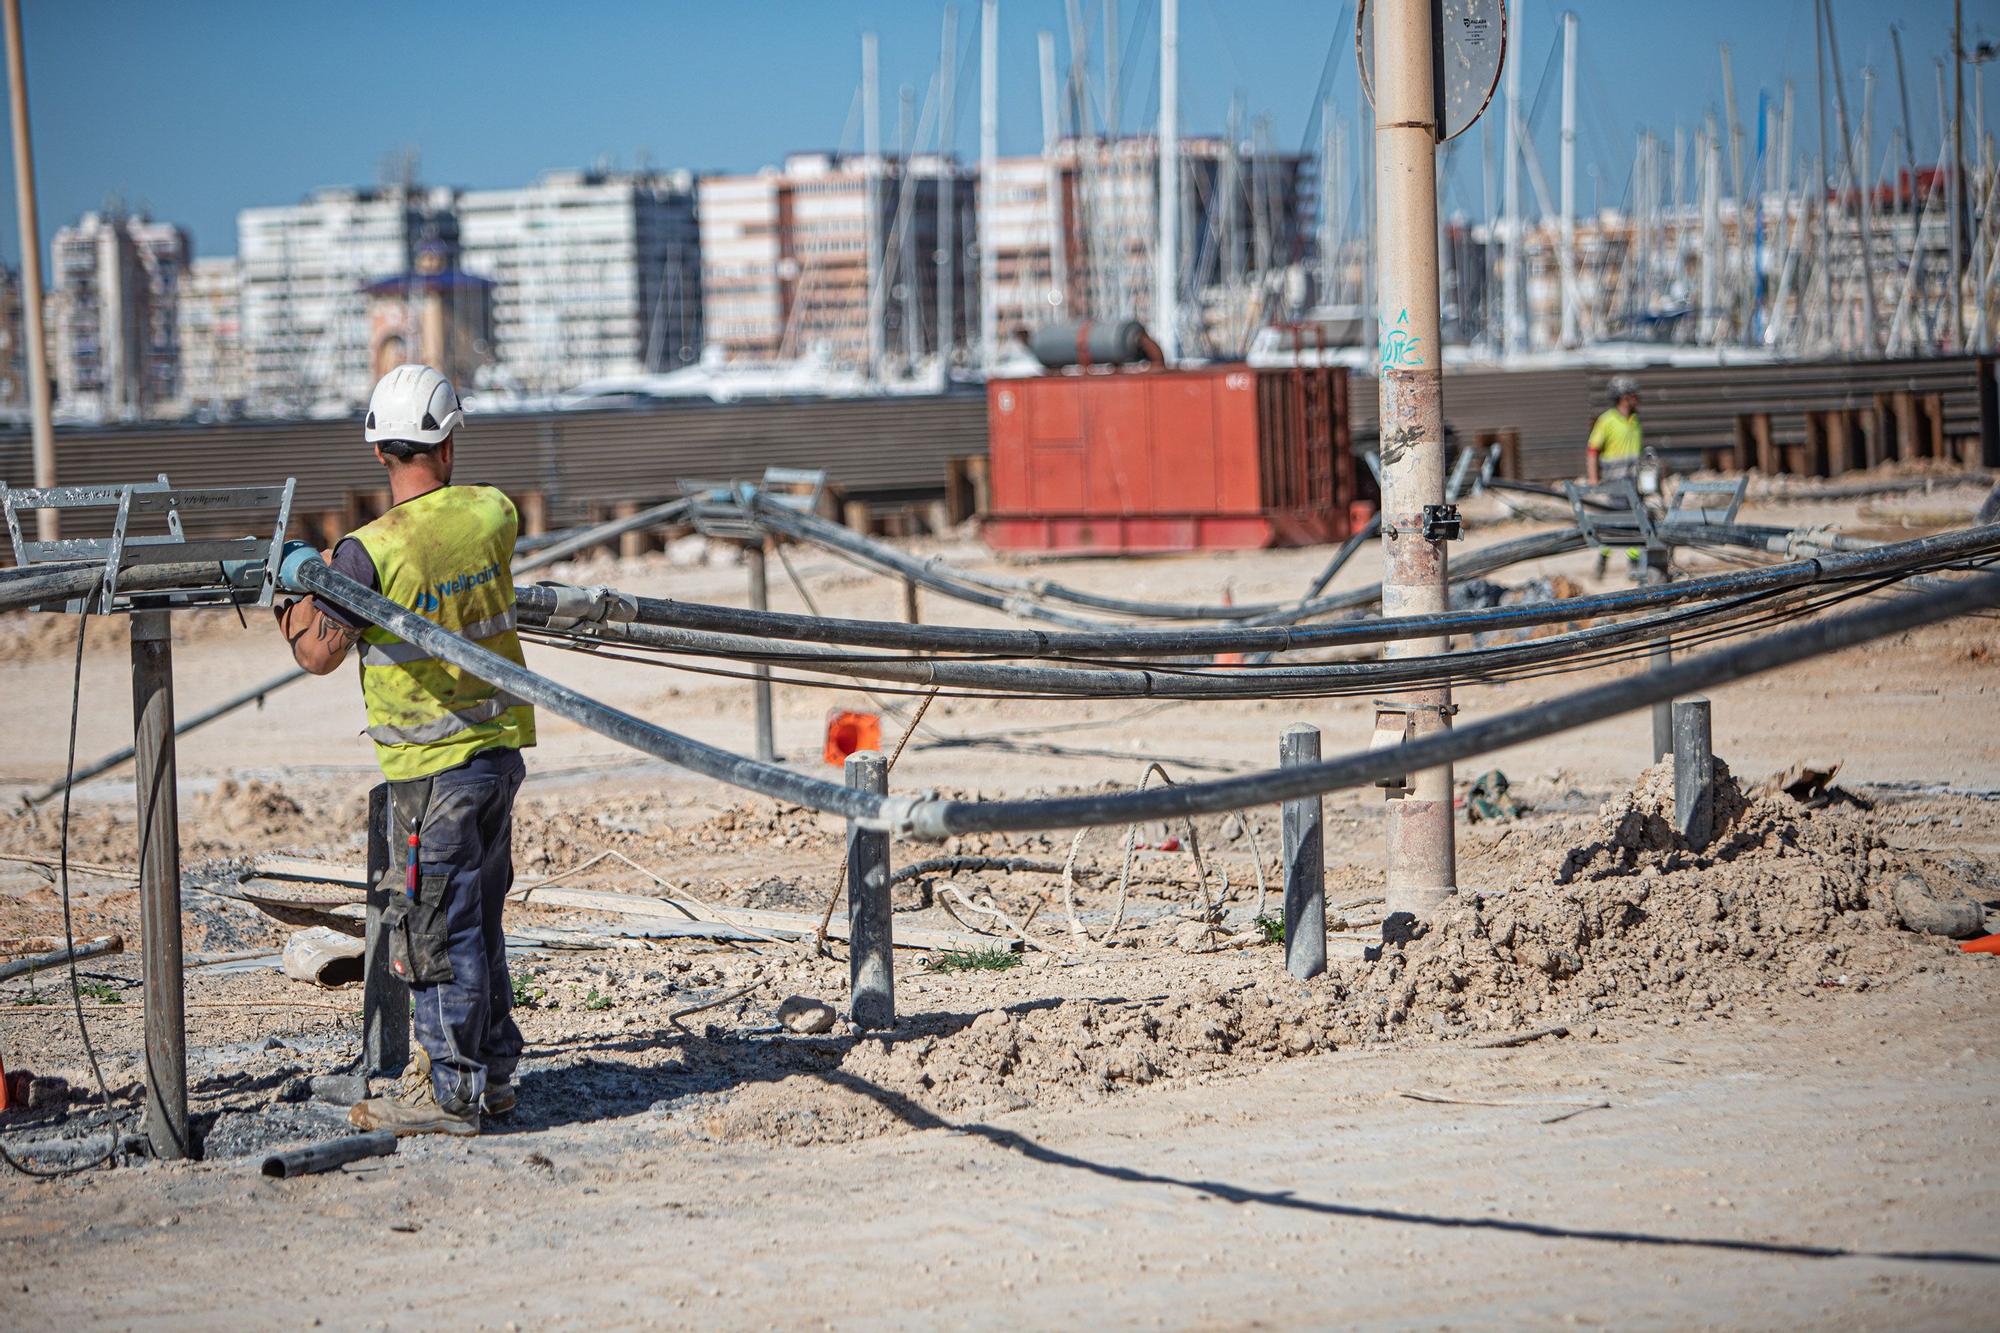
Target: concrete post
<point>160,885</point>
<point>870,968</point>
<point>385,997</point>
<point>1422,860</point>
<point>760,689</point>
<point>1305,862</point>
<point>910,615</point>
<point>1694,772</point>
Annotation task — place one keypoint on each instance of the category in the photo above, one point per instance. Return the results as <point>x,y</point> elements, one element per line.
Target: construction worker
<point>449,745</point>
<point>1616,443</point>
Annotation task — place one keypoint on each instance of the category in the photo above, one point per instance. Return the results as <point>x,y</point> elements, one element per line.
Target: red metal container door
<point>1238,481</point>
<point>1007,448</point>
<point>1184,452</point>
<point>1056,446</point>
<point>1118,431</point>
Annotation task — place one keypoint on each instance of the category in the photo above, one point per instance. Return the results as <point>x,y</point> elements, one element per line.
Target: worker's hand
<point>282,609</point>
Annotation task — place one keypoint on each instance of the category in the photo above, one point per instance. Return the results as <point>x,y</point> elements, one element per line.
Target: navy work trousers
<point>464,818</point>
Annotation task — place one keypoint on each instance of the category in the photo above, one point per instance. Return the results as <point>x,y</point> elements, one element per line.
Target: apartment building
<point>117,285</point>
<point>840,256</point>
<point>594,273</point>
<point>305,268</point>
<point>214,376</point>
<point>1074,232</point>
<point>13,348</point>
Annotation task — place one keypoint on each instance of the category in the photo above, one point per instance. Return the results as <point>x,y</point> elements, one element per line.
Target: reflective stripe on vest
<point>444,728</point>
<point>400,653</point>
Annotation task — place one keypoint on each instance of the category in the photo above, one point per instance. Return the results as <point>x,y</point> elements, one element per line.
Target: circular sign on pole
<point>1473,48</point>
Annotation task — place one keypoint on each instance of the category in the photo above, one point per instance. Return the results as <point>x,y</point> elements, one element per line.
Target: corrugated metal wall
<point>1686,407</point>
<point>879,448</point>
<point>899,448</point>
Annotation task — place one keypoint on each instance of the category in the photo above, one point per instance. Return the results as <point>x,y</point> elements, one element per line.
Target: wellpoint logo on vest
<point>430,599</point>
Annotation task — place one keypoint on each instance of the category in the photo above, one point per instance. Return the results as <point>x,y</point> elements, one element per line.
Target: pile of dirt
<point>1615,919</point>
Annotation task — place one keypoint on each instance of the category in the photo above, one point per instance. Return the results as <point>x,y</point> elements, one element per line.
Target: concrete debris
<point>806,1016</point>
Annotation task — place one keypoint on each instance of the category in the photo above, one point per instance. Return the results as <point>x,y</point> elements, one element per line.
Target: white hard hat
<point>413,405</point>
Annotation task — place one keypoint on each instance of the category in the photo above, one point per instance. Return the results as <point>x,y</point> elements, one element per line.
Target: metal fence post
<point>159,884</point>
<point>760,600</point>
<point>1694,772</point>
<point>1661,657</point>
<point>870,922</point>
<point>1305,862</point>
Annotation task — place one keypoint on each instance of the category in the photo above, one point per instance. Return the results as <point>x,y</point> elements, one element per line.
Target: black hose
<point>935,819</point>
<point>1895,557</point>
<point>316,577</point>
<point>1198,683</point>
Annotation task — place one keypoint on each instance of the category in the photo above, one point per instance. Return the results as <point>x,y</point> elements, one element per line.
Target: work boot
<point>498,1099</point>
<point>413,1108</point>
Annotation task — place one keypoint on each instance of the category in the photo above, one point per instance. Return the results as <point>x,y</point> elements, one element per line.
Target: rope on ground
<point>1080,931</point>
<point>987,907</point>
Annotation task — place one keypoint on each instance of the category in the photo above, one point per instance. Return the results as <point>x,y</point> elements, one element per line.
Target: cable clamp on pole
<point>594,606</point>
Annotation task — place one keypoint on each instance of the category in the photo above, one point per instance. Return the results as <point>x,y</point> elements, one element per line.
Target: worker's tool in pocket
<point>417,918</point>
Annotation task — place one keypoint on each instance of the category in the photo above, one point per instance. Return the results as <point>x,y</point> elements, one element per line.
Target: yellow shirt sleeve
<point>1600,432</point>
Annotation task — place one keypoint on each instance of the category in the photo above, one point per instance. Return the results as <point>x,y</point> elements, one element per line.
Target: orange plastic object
<point>1984,944</point>
<point>848,732</point>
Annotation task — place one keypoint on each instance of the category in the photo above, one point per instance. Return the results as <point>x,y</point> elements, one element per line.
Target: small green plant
<point>973,960</point>
<point>33,997</point>
<point>101,991</point>
<point>527,995</point>
<point>1273,928</point>
<point>595,1001</point>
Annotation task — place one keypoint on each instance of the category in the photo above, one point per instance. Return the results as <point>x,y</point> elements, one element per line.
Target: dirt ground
<point>1769,1104</point>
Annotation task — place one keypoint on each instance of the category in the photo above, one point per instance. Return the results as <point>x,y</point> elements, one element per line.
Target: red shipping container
<point>1215,457</point>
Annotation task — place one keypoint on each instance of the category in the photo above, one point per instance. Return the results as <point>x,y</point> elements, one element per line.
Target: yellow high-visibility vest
<point>448,556</point>
<point>1616,436</point>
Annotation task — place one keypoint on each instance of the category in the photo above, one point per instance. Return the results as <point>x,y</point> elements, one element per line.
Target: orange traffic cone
<point>1984,944</point>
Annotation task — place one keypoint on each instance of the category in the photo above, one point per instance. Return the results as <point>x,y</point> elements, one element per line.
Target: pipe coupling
<point>588,606</point>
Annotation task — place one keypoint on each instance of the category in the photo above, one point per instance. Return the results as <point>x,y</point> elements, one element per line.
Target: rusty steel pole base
<point>1415,522</point>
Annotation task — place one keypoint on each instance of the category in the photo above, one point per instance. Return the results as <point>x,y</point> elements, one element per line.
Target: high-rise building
<point>117,289</point>
<point>13,350</point>
<point>305,270</point>
<point>787,268</point>
<point>594,274</point>
<point>214,375</point>
<point>1246,220</point>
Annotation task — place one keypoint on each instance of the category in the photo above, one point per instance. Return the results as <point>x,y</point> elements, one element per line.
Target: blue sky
<point>195,109</point>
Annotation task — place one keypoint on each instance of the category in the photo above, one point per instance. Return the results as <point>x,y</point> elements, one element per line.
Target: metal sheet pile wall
<point>886,448</point>
<point>1689,408</point>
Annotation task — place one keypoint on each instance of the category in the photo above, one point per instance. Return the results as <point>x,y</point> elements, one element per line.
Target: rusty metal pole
<point>33,330</point>
<point>1422,859</point>
<point>160,885</point>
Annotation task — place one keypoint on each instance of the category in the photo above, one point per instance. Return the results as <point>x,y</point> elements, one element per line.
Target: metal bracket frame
<point>1731,492</point>
<point>721,508</point>
<point>236,558</point>
<point>1614,500</point>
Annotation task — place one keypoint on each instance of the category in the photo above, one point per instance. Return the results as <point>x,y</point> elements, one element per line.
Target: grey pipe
<point>327,1156</point>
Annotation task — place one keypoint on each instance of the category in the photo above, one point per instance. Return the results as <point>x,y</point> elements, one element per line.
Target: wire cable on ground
<point>69,942</point>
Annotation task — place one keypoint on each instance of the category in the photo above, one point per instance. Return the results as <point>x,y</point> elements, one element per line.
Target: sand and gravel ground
<point>1772,1105</point>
